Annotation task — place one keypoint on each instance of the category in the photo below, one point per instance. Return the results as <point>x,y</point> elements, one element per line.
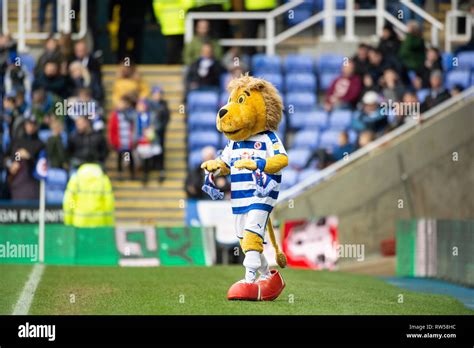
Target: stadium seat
<point>44,134</point>
<point>56,182</point>
<point>306,139</point>
<point>300,83</point>
<point>466,60</point>
<point>299,15</point>
<point>28,61</point>
<point>200,139</point>
<point>307,173</point>
<point>458,77</point>
<point>329,139</point>
<point>202,101</point>
<point>316,119</point>
<point>300,102</point>
<point>447,61</point>
<point>422,94</point>
<point>329,63</point>
<point>275,78</point>
<point>194,159</point>
<point>352,136</point>
<point>202,120</point>
<point>340,119</point>
<point>326,78</point>
<point>298,157</point>
<point>295,63</point>
<point>224,79</point>
<point>266,64</point>
<point>223,99</point>
<point>289,178</point>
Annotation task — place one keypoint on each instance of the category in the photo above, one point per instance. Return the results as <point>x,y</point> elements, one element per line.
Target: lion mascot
<point>253,157</point>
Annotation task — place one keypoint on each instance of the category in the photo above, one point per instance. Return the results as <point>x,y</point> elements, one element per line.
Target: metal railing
<point>332,169</point>
<point>24,21</point>
<point>451,34</point>
<point>328,14</point>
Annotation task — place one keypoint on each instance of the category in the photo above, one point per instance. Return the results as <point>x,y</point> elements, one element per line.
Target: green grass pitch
<point>202,290</point>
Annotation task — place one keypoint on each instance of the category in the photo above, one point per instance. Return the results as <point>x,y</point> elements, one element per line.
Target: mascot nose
<point>222,112</point>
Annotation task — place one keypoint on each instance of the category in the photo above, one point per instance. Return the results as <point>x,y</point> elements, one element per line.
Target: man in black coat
<point>438,93</point>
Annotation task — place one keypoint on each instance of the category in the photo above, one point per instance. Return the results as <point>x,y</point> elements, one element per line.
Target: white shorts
<point>253,221</point>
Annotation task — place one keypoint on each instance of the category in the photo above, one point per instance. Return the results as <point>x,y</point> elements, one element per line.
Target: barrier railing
<point>332,169</point>
<point>451,34</point>
<point>24,21</point>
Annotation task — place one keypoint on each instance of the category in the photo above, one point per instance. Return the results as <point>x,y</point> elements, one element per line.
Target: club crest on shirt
<point>257,145</point>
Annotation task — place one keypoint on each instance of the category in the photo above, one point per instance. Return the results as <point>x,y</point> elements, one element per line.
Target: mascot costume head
<point>254,157</point>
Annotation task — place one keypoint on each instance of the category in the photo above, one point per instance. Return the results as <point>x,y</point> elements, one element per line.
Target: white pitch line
<point>23,304</point>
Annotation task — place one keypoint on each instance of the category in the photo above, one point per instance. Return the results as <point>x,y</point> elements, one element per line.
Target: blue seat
<point>307,173</point>
<point>317,119</point>
<point>329,63</point>
<point>300,83</point>
<point>326,79</point>
<point>466,60</point>
<point>296,63</point>
<point>306,139</point>
<point>340,119</point>
<point>352,136</point>
<point>289,178</point>
<point>223,99</point>
<point>300,14</point>
<point>298,158</point>
<point>276,79</point>
<point>422,94</point>
<point>266,64</point>
<point>202,120</point>
<point>44,134</point>
<point>447,61</point>
<point>329,139</point>
<point>200,139</point>
<point>300,102</point>
<point>223,81</point>
<point>28,61</point>
<point>458,77</point>
<point>54,196</point>
<point>194,159</point>
<point>202,101</point>
<point>57,177</point>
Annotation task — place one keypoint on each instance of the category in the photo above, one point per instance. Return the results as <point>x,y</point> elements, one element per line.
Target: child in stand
<point>148,146</point>
<point>120,131</point>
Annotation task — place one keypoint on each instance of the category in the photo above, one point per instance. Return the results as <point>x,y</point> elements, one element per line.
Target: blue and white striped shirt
<point>259,146</point>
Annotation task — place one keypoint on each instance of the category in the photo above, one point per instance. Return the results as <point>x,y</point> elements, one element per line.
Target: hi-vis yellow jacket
<point>171,14</point>
<point>89,200</point>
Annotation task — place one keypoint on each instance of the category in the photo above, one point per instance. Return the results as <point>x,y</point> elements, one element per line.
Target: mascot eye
<point>241,99</point>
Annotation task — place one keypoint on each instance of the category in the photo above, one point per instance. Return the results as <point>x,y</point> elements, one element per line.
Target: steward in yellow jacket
<point>89,200</point>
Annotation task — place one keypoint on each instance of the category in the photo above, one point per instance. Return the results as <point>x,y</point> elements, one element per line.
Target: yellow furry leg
<point>251,241</point>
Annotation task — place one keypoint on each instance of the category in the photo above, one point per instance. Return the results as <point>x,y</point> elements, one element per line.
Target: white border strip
<point>23,304</point>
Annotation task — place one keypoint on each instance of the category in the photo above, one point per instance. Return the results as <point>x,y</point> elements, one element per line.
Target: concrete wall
<point>416,168</point>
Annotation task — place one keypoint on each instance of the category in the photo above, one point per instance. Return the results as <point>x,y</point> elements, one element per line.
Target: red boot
<point>244,291</point>
<point>271,288</point>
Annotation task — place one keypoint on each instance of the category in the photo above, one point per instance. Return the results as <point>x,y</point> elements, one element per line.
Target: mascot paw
<point>271,288</point>
<point>243,291</point>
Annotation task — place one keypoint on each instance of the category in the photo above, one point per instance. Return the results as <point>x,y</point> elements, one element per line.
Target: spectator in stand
<point>20,103</point>
<point>192,50</point>
<point>66,48</point>
<point>7,51</point>
<point>129,82</point>
<point>51,53</point>
<point>389,43</point>
<point>42,104</point>
<point>121,125</point>
<point>361,59</point>
<point>17,79</point>
<point>81,78</point>
<point>369,85</point>
<point>371,117</point>
<point>406,110</point>
<point>205,71</point>
<point>148,146</point>
<point>432,63</point>
<point>43,8</point>
<point>52,80</point>
<point>23,155</point>
<point>55,150</point>
<point>344,90</point>
<point>456,90</point>
<point>392,88</point>
<point>159,107</point>
<point>195,177</point>
<point>438,93</point>
<point>412,49</point>
<point>365,137</point>
<point>12,119</point>
<point>234,58</point>
<point>378,64</point>
<point>84,96</point>
<point>86,145</point>
<point>82,55</point>
<point>323,157</point>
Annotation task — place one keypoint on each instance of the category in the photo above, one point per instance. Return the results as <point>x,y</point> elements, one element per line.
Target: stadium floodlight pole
<point>41,220</point>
